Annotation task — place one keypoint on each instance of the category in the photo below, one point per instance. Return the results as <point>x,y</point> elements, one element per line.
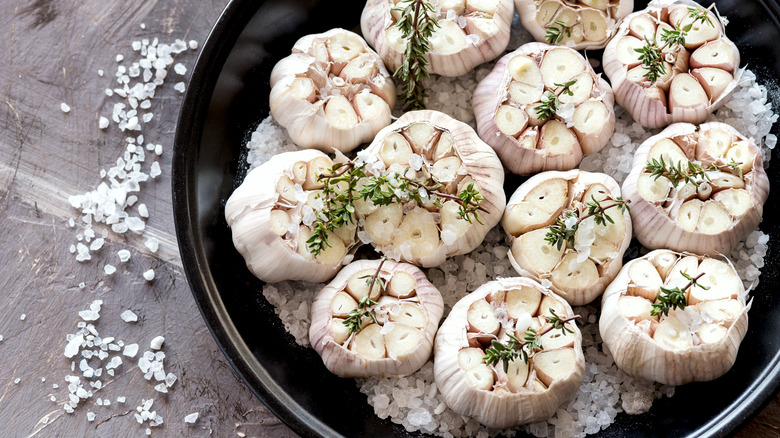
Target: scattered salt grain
<point>120,399</point>
<point>193,44</point>
<point>180,69</point>
<point>124,255</point>
<point>17,380</point>
<point>65,107</point>
<point>157,343</point>
<point>154,171</point>
<point>102,122</point>
<point>119,58</point>
<point>24,315</point>
<point>161,388</point>
<point>130,350</point>
<point>191,418</point>
<point>100,72</point>
<point>129,316</point>
<point>109,269</point>
<point>90,416</point>
<point>143,211</point>
<point>153,244</point>
<point>143,26</point>
<point>179,87</point>
<point>149,275</point>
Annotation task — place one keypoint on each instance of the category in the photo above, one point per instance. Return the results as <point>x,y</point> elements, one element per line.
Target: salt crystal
<point>191,418</point>
<point>154,171</point>
<point>119,58</point>
<point>100,72</point>
<point>129,316</point>
<point>109,269</point>
<point>65,107</point>
<point>143,26</point>
<point>130,350</point>
<point>17,380</point>
<point>179,87</point>
<point>157,343</point>
<point>120,399</point>
<point>124,255</point>
<point>102,123</point>
<point>170,379</point>
<point>149,275</point>
<point>153,244</point>
<point>161,388</point>
<point>158,149</point>
<point>24,315</point>
<point>143,211</point>
<point>193,44</point>
<point>180,69</point>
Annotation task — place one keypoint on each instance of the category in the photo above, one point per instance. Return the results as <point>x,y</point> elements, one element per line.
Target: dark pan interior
<point>227,98</point>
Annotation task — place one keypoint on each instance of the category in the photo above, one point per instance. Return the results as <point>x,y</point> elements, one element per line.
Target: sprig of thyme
<point>416,25</point>
<point>560,232</point>
<point>531,343</point>
<point>371,279</point>
<point>676,172</point>
<point>555,32</point>
<point>354,320</point>
<point>674,298</point>
<point>736,165</point>
<point>550,102</point>
<point>651,54</point>
<point>338,206</point>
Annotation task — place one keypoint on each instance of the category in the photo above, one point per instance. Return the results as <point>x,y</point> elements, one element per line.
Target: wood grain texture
<point>51,52</point>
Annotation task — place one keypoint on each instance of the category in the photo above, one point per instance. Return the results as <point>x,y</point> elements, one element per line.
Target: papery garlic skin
<point>445,151</point>
<point>415,315</point>
<point>593,23</point>
<point>674,217</point>
<point>579,274</point>
<point>487,393</point>
<point>332,92</point>
<point>256,213</point>
<point>470,33</point>
<point>698,78</point>
<point>505,105</point>
<point>697,344</point>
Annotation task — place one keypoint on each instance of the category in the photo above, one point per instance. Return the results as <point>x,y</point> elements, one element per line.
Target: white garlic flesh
<point>440,152</point>
<point>509,107</point>
<point>692,344</point>
<point>523,392</point>
<point>588,24</point>
<point>332,92</point>
<point>270,215</point>
<point>396,329</point>
<point>695,79</point>
<point>578,272</point>
<point>718,206</point>
<point>470,32</point>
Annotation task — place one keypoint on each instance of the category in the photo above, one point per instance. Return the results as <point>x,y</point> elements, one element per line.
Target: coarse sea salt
<point>65,107</point>
<point>129,316</point>
<point>191,418</point>
<point>149,275</point>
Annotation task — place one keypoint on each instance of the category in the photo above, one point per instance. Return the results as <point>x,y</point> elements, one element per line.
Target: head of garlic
<point>523,392</point>
<point>332,92</point>
<point>508,101</point>
<point>433,148</point>
<point>407,309</point>
<point>270,213</point>
<point>470,32</point>
<point>694,344</point>
<point>581,272</point>
<point>697,78</point>
<point>587,24</point>
<point>713,211</point>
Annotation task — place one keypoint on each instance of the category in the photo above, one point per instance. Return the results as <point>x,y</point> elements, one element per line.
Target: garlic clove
<point>698,343</point>
<point>469,33</point>
<point>645,280</point>
<point>523,300</point>
<point>332,92</point>
<point>579,273</point>
<point>710,214</point>
<point>513,122</point>
<point>401,340</point>
<point>524,392</point>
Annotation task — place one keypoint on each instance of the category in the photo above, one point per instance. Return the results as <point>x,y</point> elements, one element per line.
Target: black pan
<point>228,96</point>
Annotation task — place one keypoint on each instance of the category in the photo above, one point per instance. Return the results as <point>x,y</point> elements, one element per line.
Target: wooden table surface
<point>50,52</point>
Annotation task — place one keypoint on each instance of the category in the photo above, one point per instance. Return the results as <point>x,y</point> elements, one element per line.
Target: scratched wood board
<point>51,52</point>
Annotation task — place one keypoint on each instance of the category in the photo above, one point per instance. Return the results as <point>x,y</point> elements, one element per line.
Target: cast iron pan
<point>226,99</point>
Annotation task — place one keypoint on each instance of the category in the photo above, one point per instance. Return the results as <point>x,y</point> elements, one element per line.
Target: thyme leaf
<point>674,298</point>
<point>561,232</point>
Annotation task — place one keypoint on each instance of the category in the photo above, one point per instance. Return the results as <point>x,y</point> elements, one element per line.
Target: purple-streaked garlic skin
<point>526,153</point>
<point>655,105</point>
<point>535,16</point>
<point>641,351</point>
<point>655,222</point>
<point>343,103</point>
<point>340,358</point>
<point>478,163</point>
<point>500,404</point>
<point>488,30</point>
<point>274,255</point>
<point>607,254</point>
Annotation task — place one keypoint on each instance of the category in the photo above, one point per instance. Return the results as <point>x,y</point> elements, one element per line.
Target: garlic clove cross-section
<point>270,213</point>
<point>711,213</point>
<point>332,92</point>
<point>694,344</point>
<point>579,272</point>
<point>470,33</point>
<point>401,339</point>
<point>509,101</point>
<point>523,392</point>
<point>697,78</point>
<point>586,25</point>
<point>432,148</point>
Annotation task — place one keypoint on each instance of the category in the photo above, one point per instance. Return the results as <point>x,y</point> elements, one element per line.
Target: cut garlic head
<point>332,92</point>
<point>720,203</point>
<point>692,344</point>
<point>522,392</point>
<point>270,213</point>
<point>512,106</point>
<point>390,335</point>
<point>694,80</point>
<point>431,149</point>
<point>470,32</point>
<point>582,25</point>
<point>578,272</point>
